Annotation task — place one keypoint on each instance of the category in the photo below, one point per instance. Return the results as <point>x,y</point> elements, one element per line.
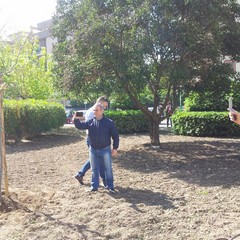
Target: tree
<point>23,74</point>
<point>143,44</point>
<point>212,94</point>
<point>26,73</point>
<point>6,66</point>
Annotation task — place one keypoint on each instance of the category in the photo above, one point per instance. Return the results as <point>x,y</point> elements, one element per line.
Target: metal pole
<point>180,99</point>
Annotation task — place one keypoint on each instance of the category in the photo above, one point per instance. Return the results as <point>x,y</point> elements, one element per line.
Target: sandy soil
<point>187,189</point>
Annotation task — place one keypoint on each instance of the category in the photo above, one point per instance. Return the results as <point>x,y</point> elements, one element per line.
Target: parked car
<point>69,115</point>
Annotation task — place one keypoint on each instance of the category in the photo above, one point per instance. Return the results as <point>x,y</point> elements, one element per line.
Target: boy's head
<point>103,100</point>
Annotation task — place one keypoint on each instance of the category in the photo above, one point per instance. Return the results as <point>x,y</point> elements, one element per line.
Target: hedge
<point>28,118</point>
<point>128,121</point>
<point>208,124</point>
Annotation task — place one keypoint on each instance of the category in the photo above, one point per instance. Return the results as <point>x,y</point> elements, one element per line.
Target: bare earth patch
<point>187,189</point>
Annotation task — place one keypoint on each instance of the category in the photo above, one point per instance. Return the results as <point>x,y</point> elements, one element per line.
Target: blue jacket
<point>100,132</point>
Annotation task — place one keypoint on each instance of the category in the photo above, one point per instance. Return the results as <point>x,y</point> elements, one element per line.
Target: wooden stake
<point>3,146</point>
<point>1,161</point>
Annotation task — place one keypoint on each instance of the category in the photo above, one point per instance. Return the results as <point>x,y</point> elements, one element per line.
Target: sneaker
<point>93,189</point>
<point>80,179</point>
<point>111,190</point>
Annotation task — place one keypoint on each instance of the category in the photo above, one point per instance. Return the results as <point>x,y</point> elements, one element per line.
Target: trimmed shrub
<point>208,124</point>
<point>28,118</point>
<point>128,121</point>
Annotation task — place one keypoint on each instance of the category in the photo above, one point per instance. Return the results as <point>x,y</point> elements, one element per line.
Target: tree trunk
<point>152,116</point>
<point>154,132</point>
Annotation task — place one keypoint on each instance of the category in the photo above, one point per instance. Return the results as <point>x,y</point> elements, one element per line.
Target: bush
<point>208,124</point>
<point>28,118</point>
<point>128,121</point>
<point>207,101</point>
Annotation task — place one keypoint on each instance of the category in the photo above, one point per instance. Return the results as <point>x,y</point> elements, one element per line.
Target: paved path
<point>163,123</point>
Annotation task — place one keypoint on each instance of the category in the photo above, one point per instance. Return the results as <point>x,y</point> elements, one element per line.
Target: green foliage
<point>137,43</point>
<point>206,101</point>
<point>26,73</point>
<point>216,79</point>
<point>214,99</point>
<point>128,121</point>
<point>204,124</point>
<point>123,101</point>
<point>28,118</point>
<point>213,93</point>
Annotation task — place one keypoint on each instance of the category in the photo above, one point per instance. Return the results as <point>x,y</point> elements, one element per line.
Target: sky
<point>19,15</point>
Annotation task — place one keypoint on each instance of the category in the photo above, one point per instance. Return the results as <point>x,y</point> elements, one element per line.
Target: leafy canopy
<point>143,44</point>
<point>139,42</point>
<point>26,73</point>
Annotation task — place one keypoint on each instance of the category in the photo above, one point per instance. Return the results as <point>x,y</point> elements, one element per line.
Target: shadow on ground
<point>148,198</point>
<point>55,138</point>
<point>207,163</point>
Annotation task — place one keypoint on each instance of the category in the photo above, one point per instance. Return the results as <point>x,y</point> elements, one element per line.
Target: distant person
<point>169,113</point>
<point>88,116</point>
<point>70,116</point>
<point>100,131</point>
<point>234,116</point>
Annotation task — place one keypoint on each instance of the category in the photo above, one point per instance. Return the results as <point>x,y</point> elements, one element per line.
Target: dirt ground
<point>187,189</point>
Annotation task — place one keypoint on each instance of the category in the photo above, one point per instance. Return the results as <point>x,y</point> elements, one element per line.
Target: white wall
<point>238,67</point>
<point>49,44</point>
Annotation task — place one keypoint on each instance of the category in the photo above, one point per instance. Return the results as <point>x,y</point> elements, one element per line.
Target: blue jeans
<point>87,166</point>
<point>100,157</point>
<point>84,168</point>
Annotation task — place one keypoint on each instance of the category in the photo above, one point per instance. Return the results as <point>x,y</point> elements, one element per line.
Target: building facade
<point>43,32</point>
